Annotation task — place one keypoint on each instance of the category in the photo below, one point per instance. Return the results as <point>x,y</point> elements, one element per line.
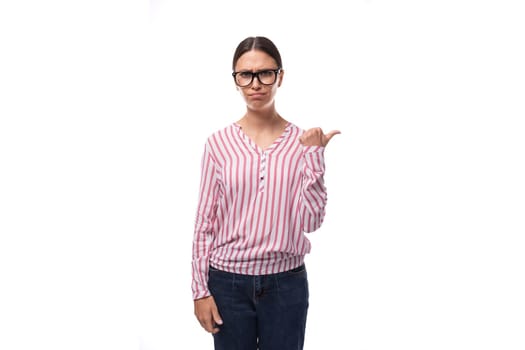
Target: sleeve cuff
<point>313,149</point>
<point>201,294</point>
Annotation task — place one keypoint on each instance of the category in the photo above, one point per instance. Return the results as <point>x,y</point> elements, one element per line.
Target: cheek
<point>242,92</point>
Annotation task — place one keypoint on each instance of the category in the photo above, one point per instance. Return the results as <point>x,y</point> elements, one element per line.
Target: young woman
<point>261,189</point>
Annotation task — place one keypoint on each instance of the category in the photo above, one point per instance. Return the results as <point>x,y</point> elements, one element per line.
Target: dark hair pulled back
<point>257,43</point>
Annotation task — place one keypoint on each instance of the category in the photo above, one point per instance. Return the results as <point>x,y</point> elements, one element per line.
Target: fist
<point>316,137</point>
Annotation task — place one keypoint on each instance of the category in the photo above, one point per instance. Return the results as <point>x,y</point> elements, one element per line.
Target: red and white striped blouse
<point>255,205</point>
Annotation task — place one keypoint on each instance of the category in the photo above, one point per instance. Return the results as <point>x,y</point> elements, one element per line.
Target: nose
<point>256,84</point>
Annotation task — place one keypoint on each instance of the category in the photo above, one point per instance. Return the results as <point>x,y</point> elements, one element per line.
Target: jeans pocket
<point>298,270</point>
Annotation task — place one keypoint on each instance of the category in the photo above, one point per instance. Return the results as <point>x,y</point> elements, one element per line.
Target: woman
<point>261,189</point>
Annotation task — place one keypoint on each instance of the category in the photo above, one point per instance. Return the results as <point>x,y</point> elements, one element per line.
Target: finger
<point>216,317</point>
<point>209,325</point>
<point>213,328</point>
<point>331,134</point>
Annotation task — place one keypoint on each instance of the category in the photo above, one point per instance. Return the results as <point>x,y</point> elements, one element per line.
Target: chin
<point>258,105</point>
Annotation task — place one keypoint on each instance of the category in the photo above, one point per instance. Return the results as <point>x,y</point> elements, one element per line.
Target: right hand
<point>207,313</point>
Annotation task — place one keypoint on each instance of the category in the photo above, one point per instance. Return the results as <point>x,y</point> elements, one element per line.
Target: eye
<point>266,74</point>
<point>245,75</point>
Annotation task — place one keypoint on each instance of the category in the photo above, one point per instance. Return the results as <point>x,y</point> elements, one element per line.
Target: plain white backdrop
<point>104,111</point>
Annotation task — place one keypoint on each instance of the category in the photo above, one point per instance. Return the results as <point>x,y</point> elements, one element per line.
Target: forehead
<point>255,60</point>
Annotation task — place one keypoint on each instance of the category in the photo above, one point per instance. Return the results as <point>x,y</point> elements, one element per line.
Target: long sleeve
<point>313,193</point>
<point>204,224</point>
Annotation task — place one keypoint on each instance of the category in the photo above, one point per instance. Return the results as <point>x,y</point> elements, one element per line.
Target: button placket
<point>262,171</point>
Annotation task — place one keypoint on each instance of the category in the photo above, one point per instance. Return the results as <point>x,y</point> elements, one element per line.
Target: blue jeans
<point>265,312</point>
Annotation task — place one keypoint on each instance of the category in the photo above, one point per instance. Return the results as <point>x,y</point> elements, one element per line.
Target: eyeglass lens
<point>265,77</point>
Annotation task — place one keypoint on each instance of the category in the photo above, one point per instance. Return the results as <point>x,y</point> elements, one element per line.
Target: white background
<point>104,110</point>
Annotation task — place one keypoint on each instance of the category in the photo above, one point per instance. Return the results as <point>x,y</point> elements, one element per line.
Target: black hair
<point>257,43</point>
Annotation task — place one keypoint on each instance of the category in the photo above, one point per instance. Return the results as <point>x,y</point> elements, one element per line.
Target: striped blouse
<point>255,205</point>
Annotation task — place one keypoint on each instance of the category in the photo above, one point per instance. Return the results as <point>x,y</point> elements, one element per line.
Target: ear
<point>280,79</point>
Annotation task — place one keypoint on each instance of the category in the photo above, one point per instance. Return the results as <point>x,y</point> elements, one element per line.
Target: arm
<point>313,191</point>
<point>205,308</point>
<point>205,217</point>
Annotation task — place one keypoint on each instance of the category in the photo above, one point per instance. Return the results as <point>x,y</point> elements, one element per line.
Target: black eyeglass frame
<point>256,74</point>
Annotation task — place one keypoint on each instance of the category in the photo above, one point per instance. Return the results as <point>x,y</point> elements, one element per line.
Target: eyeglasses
<point>265,77</point>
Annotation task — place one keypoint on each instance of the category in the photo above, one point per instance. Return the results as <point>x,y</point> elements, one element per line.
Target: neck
<point>268,118</point>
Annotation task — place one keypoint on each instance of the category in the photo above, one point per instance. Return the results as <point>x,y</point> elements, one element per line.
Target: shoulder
<point>220,133</point>
<point>222,140</point>
<point>296,130</point>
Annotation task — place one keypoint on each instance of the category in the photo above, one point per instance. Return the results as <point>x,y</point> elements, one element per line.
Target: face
<point>258,96</point>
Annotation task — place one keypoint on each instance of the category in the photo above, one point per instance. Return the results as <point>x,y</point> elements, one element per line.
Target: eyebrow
<point>256,71</point>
